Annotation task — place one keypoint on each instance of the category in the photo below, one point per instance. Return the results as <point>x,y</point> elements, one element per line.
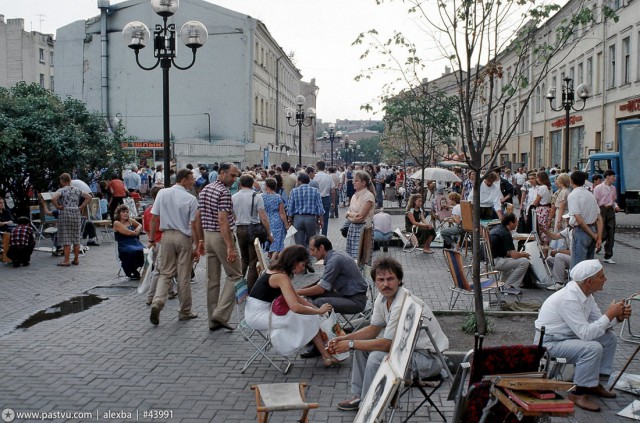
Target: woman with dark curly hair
<point>130,249</point>
<point>294,325</point>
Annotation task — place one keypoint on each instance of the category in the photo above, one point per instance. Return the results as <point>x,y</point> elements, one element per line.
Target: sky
<point>319,32</point>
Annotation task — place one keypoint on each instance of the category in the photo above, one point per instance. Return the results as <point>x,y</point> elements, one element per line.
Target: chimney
<point>1,18</point>
<point>447,70</point>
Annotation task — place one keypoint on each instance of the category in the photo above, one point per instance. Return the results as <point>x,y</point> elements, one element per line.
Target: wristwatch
<point>352,345</point>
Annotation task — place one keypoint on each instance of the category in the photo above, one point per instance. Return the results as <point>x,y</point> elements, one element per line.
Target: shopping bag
<point>289,239</point>
<point>329,329</point>
<point>146,271</point>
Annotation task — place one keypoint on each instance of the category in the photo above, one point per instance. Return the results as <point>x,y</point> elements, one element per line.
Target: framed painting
<point>406,335</point>
<point>383,387</point>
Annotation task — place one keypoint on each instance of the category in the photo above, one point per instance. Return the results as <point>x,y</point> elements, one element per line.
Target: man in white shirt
<point>490,196</point>
<point>180,224</point>
<point>382,232</point>
<point>370,349</point>
<point>576,330</point>
<point>584,220</point>
<point>325,184</point>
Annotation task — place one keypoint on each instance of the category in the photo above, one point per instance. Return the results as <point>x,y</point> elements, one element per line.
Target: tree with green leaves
<point>424,119</point>
<point>500,51</point>
<point>42,137</point>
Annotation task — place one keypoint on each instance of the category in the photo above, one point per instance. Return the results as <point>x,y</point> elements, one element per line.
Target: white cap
<point>585,269</point>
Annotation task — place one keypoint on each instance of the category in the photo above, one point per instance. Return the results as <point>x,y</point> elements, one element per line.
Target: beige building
<point>25,56</point>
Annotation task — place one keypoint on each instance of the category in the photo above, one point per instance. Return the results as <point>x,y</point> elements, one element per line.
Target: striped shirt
<point>215,198</point>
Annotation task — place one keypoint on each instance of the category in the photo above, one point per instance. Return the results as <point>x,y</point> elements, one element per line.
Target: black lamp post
<point>331,136</point>
<point>568,104</point>
<point>193,34</point>
<point>300,121</point>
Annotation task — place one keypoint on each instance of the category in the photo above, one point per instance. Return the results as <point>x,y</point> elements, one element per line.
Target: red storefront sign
<point>631,106</point>
<point>561,123</point>
<point>142,144</point>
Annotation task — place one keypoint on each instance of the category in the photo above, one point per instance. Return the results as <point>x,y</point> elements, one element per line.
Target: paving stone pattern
<point>110,357</point>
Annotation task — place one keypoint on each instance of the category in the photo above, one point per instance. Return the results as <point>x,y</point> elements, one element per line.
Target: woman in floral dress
<point>274,206</point>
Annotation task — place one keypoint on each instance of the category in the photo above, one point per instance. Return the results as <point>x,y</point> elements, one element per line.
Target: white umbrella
<point>81,185</point>
<point>436,174</point>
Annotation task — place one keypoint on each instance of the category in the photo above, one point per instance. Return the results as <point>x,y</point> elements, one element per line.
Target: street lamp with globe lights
<point>300,121</point>
<point>193,34</point>
<point>568,104</point>
<point>331,136</point>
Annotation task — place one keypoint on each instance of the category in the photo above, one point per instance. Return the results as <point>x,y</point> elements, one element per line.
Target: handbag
<point>279,306</point>
<point>257,230</point>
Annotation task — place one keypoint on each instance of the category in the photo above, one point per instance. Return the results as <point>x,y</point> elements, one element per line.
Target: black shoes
<point>311,352</point>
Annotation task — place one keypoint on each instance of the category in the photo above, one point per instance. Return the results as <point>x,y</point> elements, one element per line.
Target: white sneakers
<point>609,260</point>
<point>555,287</point>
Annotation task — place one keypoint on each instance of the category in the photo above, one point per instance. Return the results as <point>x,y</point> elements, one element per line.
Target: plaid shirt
<point>215,198</point>
<point>22,236</point>
<point>305,200</point>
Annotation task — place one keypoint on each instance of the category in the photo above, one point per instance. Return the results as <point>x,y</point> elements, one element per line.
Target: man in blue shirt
<point>304,210</point>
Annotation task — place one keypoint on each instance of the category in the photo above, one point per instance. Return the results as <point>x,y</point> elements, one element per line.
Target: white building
<point>228,107</point>
<point>25,56</point>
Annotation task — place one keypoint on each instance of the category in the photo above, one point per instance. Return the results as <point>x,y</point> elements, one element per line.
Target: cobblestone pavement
<point>109,358</point>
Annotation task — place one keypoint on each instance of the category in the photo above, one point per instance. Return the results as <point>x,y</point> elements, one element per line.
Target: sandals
<point>428,252</point>
<point>75,262</point>
<point>63,264</point>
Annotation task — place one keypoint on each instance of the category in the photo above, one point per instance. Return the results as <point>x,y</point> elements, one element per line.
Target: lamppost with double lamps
<point>331,136</point>
<point>193,34</point>
<point>300,121</point>
<point>568,104</point>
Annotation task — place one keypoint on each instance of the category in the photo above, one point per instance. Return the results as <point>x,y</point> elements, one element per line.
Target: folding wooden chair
<point>258,339</point>
<point>263,260</point>
<point>461,286</point>
<point>466,211</point>
<point>281,397</point>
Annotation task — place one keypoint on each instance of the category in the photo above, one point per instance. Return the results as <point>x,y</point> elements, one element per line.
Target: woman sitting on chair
<point>130,249</point>
<point>300,322</point>
<point>414,221</point>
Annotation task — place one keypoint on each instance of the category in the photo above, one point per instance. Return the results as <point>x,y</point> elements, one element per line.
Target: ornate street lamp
<point>331,136</point>
<point>193,34</point>
<point>300,121</point>
<point>568,104</point>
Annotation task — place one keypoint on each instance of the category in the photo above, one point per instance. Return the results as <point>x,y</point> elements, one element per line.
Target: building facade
<point>25,56</point>
<point>228,107</point>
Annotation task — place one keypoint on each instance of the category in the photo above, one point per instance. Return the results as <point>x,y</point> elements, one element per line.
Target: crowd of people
<point>221,212</point>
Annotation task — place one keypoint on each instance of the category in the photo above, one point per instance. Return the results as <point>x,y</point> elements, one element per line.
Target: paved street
<point>109,358</point>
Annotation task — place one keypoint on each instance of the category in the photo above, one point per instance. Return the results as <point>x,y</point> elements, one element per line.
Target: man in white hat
<point>576,330</point>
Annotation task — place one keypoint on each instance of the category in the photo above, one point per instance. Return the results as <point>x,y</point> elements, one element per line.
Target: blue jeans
<point>379,194</point>
<point>583,246</point>
<point>326,204</point>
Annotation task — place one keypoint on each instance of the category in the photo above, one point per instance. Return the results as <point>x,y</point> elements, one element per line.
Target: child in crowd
<point>21,243</point>
<point>104,205</point>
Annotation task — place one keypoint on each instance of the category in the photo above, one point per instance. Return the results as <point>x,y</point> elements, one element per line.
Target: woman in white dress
<point>274,305</point>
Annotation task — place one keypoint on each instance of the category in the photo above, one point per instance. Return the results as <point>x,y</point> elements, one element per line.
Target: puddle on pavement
<point>70,306</point>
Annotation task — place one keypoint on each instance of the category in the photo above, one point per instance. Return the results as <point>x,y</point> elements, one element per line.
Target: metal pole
<point>300,142</point>
<point>331,149</point>
<point>209,119</point>
<point>567,109</point>
<point>166,63</point>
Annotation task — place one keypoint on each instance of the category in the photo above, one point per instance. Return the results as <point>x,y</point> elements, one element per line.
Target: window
<point>612,66</point>
<point>590,72</point>
<point>539,146</point>
<point>576,146</point>
<point>598,76</point>
<point>572,73</point>
<point>51,86</point>
<point>42,80</point>
<point>580,73</point>
<point>556,146</point>
<point>543,100</point>
<point>41,55</point>
<point>626,61</point>
<point>538,99</point>
<point>51,58</point>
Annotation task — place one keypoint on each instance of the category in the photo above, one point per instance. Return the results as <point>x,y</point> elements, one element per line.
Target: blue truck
<point>624,163</point>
